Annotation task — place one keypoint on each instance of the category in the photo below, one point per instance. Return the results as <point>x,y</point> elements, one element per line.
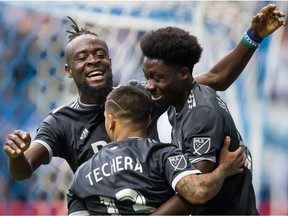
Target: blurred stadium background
<point>32,82</point>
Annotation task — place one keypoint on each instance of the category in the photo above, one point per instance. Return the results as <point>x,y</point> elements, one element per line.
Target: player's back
<point>128,177</point>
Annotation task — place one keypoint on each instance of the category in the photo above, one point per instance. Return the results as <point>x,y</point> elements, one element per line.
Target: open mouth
<point>156,97</point>
<point>96,75</point>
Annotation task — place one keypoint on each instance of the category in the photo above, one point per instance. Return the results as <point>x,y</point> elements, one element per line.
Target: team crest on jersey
<point>201,145</point>
<point>178,162</point>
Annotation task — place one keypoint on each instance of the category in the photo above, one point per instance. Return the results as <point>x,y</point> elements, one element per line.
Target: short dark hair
<point>173,45</point>
<point>129,102</point>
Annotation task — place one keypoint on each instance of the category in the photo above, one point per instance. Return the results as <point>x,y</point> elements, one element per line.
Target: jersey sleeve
<point>49,134</point>
<point>174,164</point>
<point>203,134</point>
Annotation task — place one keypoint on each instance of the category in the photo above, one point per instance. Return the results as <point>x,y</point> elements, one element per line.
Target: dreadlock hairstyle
<point>77,31</point>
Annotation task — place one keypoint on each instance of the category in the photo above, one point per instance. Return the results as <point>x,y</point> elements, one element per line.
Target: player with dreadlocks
<point>71,132</point>
<point>76,131</point>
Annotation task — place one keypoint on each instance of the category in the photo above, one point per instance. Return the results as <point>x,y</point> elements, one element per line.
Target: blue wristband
<point>256,40</point>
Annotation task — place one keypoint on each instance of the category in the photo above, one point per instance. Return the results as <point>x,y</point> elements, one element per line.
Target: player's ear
<point>184,73</point>
<point>68,71</point>
<point>111,122</point>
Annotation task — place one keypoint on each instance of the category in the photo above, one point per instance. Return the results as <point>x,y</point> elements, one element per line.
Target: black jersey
<point>199,129</point>
<point>74,132</point>
<point>133,176</point>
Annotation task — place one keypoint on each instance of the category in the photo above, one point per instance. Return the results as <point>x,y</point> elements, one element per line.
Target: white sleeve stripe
<point>181,175</point>
<point>80,213</point>
<point>46,146</point>
<point>212,159</point>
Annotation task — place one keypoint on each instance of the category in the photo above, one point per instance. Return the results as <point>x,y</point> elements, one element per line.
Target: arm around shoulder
<point>198,189</point>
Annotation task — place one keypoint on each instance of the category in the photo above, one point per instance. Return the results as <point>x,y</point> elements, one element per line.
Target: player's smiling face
<point>164,81</point>
<point>89,64</point>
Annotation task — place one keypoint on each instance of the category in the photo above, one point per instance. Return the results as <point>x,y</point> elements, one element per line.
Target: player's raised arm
<point>226,71</point>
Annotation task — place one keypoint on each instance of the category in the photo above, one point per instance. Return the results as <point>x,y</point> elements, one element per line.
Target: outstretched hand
<point>16,143</point>
<point>267,20</point>
<point>231,162</point>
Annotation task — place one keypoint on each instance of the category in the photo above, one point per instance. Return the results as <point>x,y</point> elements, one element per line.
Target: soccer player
<point>200,119</point>
<point>134,174</point>
<point>76,131</point>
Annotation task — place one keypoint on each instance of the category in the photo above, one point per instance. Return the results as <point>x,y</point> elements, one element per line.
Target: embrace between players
<point>134,173</point>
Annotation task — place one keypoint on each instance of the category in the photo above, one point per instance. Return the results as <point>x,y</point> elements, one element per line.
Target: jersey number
<point>138,200</point>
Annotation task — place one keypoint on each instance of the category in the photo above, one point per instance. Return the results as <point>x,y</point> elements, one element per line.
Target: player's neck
<point>125,133</point>
<point>85,99</point>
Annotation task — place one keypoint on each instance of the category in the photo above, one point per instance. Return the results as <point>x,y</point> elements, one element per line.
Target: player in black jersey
<point>134,174</point>
<point>76,131</point>
<point>200,119</point>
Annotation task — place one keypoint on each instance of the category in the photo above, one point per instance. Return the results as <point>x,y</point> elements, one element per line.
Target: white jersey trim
<point>212,159</point>
<point>35,142</point>
<point>58,108</point>
<point>80,213</point>
<point>181,175</point>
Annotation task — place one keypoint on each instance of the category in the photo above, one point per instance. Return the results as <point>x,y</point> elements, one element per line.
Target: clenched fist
<point>16,143</point>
